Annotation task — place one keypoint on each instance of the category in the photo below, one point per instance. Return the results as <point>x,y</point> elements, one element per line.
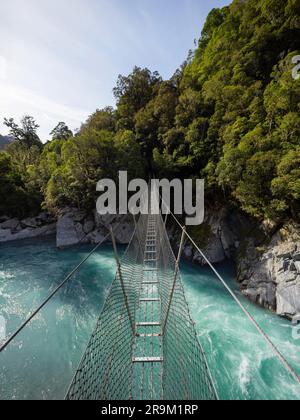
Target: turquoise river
<point>41,362</point>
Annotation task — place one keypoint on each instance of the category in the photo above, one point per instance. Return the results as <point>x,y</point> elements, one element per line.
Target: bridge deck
<point>148,354</point>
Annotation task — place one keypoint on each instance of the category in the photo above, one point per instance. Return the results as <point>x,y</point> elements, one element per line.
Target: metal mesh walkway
<point>145,346</point>
<point>148,351</point>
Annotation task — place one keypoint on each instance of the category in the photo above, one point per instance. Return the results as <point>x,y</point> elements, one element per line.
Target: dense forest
<point>230,114</point>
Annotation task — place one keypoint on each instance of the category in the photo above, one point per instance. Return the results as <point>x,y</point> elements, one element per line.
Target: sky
<point>59,60</point>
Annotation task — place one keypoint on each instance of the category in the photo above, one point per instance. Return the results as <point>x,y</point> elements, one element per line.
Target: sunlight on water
<point>40,363</point>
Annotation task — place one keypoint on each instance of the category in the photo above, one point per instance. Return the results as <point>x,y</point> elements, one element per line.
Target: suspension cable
<point>279,355</point>
<point>57,289</point>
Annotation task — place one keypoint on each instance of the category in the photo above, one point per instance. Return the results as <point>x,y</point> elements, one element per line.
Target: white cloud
<point>17,101</point>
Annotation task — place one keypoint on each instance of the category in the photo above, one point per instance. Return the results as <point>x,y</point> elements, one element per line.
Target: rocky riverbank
<point>267,260</point>
<point>75,226</point>
<point>270,273</point>
<point>15,229</point>
<point>71,227</point>
<point>220,236</point>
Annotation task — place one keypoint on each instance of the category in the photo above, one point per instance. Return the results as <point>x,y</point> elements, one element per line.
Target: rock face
<point>219,237</point>
<point>270,276</point>
<point>69,229</point>
<point>72,227</point>
<point>76,227</point>
<point>15,229</point>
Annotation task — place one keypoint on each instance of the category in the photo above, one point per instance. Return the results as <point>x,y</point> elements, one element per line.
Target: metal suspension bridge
<point>145,345</point>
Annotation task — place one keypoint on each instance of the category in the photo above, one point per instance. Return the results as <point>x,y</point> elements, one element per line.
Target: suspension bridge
<point>145,345</point>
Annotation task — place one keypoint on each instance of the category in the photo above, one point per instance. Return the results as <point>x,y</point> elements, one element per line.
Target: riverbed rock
<point>123,226</point>
<point>96,237</point>
<point>69,229</point>
<point>297,266</point>
<point>3,218</point>
<point>270,275</point>
<point>89,225</point>
<point>45,217</point>
<point>219,237</point>
<point>104,221</point>
<point>123,232</point>
<point>30,222</point>
<point>6,235</point>
<point>75,226</point>
<point>33,227</point>
<point>29,233</point>
<point>10,224</point>
<point>296,255</point>
<point>214,252</point>
<point>188,252</point>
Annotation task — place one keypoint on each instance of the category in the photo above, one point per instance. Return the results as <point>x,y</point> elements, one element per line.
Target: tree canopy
<point>61,132</point>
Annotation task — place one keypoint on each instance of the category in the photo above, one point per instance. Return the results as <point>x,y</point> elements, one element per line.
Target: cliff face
<point>75,226</point>
<point>270,275</point>
<point>220,236</point>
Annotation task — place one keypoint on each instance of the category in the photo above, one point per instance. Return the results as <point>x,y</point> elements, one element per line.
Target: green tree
<point>86,159</point>
<point>15,198</point>
<point>61,132</point>
<point>102,119</point>
<point>26,134</point>
<point>286,186</point>
<point>132,93</point>
<point>129,155</point>
<point>154,120</point>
